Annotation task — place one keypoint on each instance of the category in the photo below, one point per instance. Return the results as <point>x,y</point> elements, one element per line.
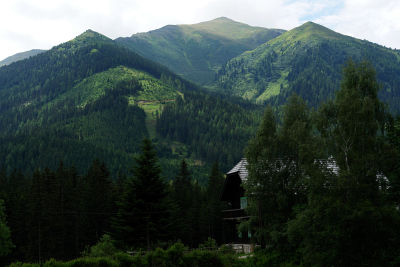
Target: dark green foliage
<point>96,203</point>
<point>213,128</point>
<point>214,204</point>
<point>391,158</point>
<point>5,236</point>
<point>183,196</point>
<point>175,255</point>
<point>71,103</point>
<point>348,220</point>
<point>54,214</point>
<point>143,215</point>
<point>303,208</point>
<point>277,160</point>
<point>104,248</point>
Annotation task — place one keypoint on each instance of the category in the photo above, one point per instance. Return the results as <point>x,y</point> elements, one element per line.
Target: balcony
<point>235,214</point>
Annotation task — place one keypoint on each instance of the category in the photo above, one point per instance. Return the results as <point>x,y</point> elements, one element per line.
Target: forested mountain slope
<point>307,60</point>
<point>92,98</point>
<point>197,51</point>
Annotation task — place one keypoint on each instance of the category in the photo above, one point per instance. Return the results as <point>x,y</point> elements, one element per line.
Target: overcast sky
<point>29,24</point>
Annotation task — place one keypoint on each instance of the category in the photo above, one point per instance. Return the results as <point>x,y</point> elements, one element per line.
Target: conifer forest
<point>123,152</point>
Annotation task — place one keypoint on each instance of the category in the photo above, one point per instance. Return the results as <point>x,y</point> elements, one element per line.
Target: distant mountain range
<point>198,51</point>
<point>20,56</point>
<point>94,97</point>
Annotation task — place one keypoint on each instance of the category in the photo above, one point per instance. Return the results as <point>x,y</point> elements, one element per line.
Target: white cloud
<point>376,21</point>
<point>26,24</point>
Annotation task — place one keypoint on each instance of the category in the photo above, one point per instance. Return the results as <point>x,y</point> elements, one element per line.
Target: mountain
<point>307,60</point>
<point>71,103</point>
<point>197,51</point>
<point>92,98</point>
<point>20,56</point>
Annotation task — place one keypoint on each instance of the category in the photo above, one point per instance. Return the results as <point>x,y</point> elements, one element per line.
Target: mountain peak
<point>309,31</point>
<point>224,27</point>
<point>315,28</point>
<point>90,34</point>
<point>226,19</point>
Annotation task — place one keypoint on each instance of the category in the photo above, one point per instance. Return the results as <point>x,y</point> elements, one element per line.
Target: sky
<point>42,24</point>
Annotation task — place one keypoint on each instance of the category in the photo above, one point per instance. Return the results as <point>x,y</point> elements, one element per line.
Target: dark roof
<point>240,169</point>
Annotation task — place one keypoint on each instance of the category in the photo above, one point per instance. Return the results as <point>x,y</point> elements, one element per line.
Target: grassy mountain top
<point>311,31</point>
<point>197,51</point>
<point>226,28</point>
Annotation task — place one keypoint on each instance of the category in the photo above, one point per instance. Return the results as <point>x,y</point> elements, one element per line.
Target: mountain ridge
<point>197,51</point>
<point>20,56</point>
<point>306,60</point>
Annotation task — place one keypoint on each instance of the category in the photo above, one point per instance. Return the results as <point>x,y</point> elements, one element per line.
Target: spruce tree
<point>183,194</point>
<point>214,204</point>
<point>97,202</point>
<point>5,235</point>
<point>143,216</point>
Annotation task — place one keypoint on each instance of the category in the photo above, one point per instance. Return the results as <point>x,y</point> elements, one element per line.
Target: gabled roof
<point>240,169</point>
<point>328,164</point>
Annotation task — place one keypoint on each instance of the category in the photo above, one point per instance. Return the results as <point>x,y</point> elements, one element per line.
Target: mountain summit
<point>306,60</point>
<point>197,51</point>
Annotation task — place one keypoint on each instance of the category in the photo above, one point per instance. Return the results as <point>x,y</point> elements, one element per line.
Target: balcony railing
<point>234,214</point>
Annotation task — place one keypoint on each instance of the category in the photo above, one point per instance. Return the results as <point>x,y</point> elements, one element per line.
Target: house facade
<point>236,202</point>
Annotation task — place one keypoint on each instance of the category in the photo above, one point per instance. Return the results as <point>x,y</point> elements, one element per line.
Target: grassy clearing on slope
<point>94,87</point>
<point>273,88</point>
<point>151,110</point>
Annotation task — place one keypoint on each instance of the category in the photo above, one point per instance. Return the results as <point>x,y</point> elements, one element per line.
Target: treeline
<point>58,213</point>
<point>323,186</point>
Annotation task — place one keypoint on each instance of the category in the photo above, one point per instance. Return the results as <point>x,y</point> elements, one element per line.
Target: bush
<point>203,258</point>
<point>175,255</point>
<point>209,244</point>
<point>20,264</point>
<point>104,248</point>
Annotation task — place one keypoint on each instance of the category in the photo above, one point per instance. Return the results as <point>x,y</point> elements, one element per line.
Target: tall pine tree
<point>182,194</point>
<point>214,204</point>
<point>5,236</point>
<point>143,215</point>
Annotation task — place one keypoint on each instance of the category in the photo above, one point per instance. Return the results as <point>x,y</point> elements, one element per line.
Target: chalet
<point>233,195</point>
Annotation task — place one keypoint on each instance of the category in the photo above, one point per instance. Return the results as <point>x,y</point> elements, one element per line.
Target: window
<point>243,202</point>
